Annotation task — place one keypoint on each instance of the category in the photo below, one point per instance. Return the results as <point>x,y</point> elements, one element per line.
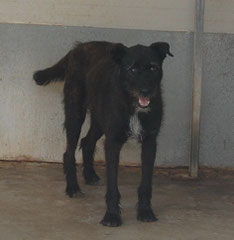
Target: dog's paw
<point>111,220</point>
<point>146,215</point>
<point>74,190</point>
<point>91,178</point>
<point>93,181</point>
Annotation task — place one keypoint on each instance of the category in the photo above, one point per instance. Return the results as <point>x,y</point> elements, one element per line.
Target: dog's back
<point>82,56</point>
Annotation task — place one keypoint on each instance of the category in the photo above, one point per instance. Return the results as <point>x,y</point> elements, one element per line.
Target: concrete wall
<point>217,116</point>
<point>31,117</point>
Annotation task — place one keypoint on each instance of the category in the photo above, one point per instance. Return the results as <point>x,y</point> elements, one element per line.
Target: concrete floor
<point>33,206</point>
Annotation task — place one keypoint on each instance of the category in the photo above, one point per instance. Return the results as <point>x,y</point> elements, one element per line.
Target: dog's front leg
<point>144,210</point>
<point>112,217</point>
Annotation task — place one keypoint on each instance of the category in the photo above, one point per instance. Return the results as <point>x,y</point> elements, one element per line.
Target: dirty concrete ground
<point>33,206</point>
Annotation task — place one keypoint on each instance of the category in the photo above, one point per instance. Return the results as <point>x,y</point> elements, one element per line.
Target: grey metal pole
<point>197,87</point>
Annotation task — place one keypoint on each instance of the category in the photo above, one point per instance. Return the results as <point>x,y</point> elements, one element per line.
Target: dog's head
<point>141,69</point>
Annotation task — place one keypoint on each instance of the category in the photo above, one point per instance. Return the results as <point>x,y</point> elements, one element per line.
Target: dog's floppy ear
<point>163,48</point>
<point>118,51</point>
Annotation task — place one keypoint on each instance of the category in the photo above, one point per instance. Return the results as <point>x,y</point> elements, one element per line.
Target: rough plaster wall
<point>164,15</point>
<point>217,116</point>
<point>31,116</point>
<point>219,16</point>
<point>135,14</point>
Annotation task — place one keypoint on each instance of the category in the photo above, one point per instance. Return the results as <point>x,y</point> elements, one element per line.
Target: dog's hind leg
<point>88,144</point>
<point>75,111</point>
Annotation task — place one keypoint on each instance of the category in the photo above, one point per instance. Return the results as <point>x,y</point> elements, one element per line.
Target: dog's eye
<point>132,69</point>
<point>154,67</point>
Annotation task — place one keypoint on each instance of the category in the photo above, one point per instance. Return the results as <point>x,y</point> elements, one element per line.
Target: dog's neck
<point>135,127</point>
<point>142,110</point>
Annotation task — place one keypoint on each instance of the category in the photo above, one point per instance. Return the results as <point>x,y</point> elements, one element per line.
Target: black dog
<point>121,88</point>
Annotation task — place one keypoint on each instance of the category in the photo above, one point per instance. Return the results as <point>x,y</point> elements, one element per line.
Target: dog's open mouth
<point>144,102</point>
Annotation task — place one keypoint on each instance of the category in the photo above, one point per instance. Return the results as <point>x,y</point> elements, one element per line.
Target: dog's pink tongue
<point>144,101</point>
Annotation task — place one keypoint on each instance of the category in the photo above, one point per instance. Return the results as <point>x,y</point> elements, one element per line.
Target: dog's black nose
<point>144,91</point>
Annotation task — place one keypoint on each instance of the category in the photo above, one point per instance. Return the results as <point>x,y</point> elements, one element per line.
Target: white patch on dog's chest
<point>135,126</point>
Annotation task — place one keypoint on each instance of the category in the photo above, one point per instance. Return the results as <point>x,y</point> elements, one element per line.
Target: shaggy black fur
<point>121,88</point>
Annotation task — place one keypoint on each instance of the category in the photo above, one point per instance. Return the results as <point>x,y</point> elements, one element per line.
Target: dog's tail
<point>51,74</point>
